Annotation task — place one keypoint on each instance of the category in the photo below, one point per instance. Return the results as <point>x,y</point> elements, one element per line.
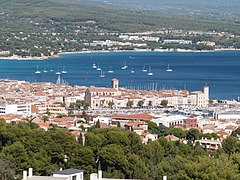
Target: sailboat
<point>110,70</point>
<point>144,69</point>
<point>45,71</point>
<point>150,72</point>
<point>98,68</point>
<point>64,71</point>
<point>94,66</point>
<point>102,75</point>
<point>37,71</point>
<point>169,69</point>
<point>58,72</point>
<point>124,66</point>
<point>132,71</point>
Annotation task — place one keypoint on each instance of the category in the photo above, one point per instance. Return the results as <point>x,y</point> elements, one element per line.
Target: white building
<point>15,109</point>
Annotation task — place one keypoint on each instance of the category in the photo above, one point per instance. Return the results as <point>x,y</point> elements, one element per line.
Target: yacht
<point>102,75</point>
<point>94,66</point>
<point>144,69</point>
<point>98,68</point>
<point>169,69</point>
<point>132,71</point>
<point>150,72</point>
<point>58,72</point>
<point>124,66</point>
<point>45,71</point>
<point>110,70</point>
<point>37,71</point>
<point>64,71</point>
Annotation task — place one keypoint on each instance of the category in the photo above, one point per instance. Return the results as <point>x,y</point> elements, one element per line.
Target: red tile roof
<point>134,116</point>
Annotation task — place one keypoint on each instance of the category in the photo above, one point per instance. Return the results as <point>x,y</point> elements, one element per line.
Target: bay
<point>190,70</point>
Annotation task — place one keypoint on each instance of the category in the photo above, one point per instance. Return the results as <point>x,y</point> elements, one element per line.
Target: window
<point>74,177</point>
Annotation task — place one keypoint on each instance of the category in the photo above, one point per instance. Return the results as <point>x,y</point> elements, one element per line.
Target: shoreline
<point>44,58</point>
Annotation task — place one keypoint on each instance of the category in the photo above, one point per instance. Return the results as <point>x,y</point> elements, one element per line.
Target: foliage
<point>120,153</point>
<point>164,103</point>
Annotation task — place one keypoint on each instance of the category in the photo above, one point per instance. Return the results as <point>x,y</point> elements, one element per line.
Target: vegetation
<point>47,27</point>
<point>120,154</point>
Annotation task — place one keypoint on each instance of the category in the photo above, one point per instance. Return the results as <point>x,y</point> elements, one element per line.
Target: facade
<point>15,108</point>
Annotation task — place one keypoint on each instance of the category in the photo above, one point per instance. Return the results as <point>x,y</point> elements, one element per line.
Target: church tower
<point>115,83</point>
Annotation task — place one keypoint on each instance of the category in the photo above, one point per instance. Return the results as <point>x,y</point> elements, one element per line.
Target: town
<point>78,108</point>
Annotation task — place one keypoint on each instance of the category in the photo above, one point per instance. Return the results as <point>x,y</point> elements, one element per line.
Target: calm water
<point>219,70</point>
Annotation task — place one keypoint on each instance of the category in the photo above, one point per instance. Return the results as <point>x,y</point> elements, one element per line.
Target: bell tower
<point>115,83</point>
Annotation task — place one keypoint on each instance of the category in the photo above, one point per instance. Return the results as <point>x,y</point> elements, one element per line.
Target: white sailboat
<point>132,71</point>
<point>58,72</point>
<point>124,66</point>
<point>150,72</point>
<point>37,71</point>
<point>144,69</point>
<point>45,71</point>
<point>98,68</point>
<point>94,66</point>
<point>169,69</point>
<point>102,75</point>
<point>64,71</point>
<point>110,70</point>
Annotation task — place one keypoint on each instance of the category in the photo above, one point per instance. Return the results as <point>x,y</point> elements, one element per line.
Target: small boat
<point>124,66</point>
<point>132,71</point>
<point>110,70</point>
<point>144,69</point>
<point>37,71</point>
<point>102,75</point>
<point>169,69</point>
<point>98,68</point>
<point>45,71</point>
<point>58,72</point>
<point>150,72</point>
<point>64,71</point>
<point>51,70</point>
<point>94,66</point>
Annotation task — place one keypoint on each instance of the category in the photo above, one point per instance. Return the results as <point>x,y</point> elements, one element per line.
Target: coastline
<point>44,58</point>
<point>147,50</point>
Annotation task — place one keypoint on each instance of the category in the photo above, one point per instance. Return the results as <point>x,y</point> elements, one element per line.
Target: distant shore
<point>109,51</point>
<point>147,50</point>
<point>29,58</point>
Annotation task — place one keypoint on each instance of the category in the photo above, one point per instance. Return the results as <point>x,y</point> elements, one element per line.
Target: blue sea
<point>190,70</point>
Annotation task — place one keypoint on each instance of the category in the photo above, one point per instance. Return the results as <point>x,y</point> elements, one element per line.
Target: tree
<point>192,134</point>
<point>164,103</point>
<point>7,170</point>
<point>149,103</point>
<point>110,104</point>
<point>177,132</point>
<point>140,103</point>
<point>129,103</point>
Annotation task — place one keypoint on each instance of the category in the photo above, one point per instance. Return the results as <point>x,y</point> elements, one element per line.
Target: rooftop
<point>68,171</point>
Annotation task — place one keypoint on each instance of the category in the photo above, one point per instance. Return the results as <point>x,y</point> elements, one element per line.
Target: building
<point>102,97</point>
<point>67,174</point>
<point>15,108</point>
<point>210,143</point>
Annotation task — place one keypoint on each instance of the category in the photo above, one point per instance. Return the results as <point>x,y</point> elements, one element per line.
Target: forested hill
<point>46,27</point>
<point>178,6</point>
<point>106,17</point>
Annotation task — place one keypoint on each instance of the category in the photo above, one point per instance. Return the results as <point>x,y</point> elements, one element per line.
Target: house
<point>67,174</point>
<point>210,143</point>
<point>171,137</point>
